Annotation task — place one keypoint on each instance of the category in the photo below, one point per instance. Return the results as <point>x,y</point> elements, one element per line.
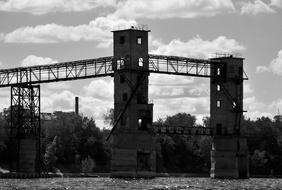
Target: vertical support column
<point>76,106</point>
<point>133,143</point>
<point>229,154</point>
<point>25,129</point>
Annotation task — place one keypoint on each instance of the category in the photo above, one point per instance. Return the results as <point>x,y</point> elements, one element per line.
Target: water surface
<point>152,184</point>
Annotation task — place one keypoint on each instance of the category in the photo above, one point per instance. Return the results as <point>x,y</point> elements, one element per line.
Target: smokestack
<point>76,106</point>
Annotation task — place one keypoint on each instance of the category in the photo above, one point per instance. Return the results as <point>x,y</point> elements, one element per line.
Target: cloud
<point>262,69</point>
<point>276,3</point>
<point>1,64</point>
<point>95,99</point>
<point>192,105</point>
<point>275,66</point>
<point>40,7</point>
<point>255,8</point>
<point>32,60</point>
<point>96,30</point>
<point>102,89</point>
<point>197,47</point>
<point>159,9</point>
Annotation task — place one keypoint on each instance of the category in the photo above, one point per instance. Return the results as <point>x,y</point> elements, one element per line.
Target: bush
<point>87,165</point>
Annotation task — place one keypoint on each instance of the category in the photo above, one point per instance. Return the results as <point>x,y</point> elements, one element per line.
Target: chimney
<point>76,106</point>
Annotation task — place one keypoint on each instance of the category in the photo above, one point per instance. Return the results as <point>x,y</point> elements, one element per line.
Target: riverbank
<point>94,175</point>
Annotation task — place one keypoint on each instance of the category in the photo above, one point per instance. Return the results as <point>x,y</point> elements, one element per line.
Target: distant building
<point>278,118</point>
<point>47,116</point>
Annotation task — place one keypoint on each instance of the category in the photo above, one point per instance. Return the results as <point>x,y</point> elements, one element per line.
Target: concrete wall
<point>229,154</point>
<point>133,143</point>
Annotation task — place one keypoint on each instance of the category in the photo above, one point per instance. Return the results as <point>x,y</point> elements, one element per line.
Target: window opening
<point>218,87</point>
<point>121,39</point>
<point>140,62</point>
<point>139,40</point>
<point>218,103</point>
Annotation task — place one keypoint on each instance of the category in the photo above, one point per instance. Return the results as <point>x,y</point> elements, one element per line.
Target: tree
<point>109,117</point>
<point>50,157</point>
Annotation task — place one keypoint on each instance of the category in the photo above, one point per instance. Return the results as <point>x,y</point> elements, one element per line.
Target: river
<point>168,183</point>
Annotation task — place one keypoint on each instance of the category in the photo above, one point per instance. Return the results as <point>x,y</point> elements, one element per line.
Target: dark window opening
<point>240,72</point>
<point>121,39</point>
<point>124,96</point>
<point>122,79</point>
<point>139,78</point>
<point>218,103</point>
<point>219,129</point>
<point>139,99</point>
<point>143,161</point>
<point>139,40</point>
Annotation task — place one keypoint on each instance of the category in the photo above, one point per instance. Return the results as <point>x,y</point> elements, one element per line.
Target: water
<point>152,184</point>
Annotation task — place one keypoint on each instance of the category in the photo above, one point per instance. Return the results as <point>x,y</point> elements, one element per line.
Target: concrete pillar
<point>76,106</point>
<point>27,155</point>
<point>133,143</point>
<point>229,154</point>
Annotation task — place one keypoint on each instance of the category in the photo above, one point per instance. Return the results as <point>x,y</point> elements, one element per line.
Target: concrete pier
<point>133,141</point>
<point>229,154</point>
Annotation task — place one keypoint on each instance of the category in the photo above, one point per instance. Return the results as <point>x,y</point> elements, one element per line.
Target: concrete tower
<point>133,144</point>
<point>229,154</point>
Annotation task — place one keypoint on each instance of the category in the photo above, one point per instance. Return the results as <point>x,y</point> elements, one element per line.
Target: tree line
<point>74,143</point>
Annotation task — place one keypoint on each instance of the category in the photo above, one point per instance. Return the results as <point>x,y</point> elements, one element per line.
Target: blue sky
<point>43,32</point>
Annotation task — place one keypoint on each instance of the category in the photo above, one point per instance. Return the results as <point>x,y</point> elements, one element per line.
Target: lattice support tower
<point>25,128</point>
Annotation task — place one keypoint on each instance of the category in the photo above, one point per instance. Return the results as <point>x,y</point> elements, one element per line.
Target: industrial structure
<point>133,134</point>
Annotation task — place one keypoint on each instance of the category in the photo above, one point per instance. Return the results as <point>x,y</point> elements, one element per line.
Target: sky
<point>36,32</point>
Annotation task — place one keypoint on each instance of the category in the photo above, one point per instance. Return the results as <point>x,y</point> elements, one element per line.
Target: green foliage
<point>109,117</point>
<point>71,142</point>
<point>77,138</point>
<point>87,165</point>
<point>181,153</point>
<point>50,157</point>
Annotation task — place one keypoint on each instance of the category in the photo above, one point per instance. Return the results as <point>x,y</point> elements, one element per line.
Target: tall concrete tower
<point>229,154</point>
<point>133,144</point>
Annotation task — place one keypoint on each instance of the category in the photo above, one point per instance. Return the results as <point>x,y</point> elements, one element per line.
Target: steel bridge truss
<point>24,118</point>
<point>82,69</point>
<point>101,67</point>
<point>182,130</point>
<point>180,65</point>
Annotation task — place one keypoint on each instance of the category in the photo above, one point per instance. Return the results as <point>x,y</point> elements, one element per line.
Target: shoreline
<point>96,175</point>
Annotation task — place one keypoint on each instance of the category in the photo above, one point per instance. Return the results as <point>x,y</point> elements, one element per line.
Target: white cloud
<point>262,69</point>
<point>192,105</point>
<point>275,65</point>
<point>100,88</point>
<point>1,64</point>
<point>40,7</point>
<point>32,60</point>
<point>96,30</point>
<point>198,48</point>
<point>247,89</point>
<point>255,108</point>
<point>161,9</point>
<point>255,7</point>
<point>276,3</point>
<point>2,36</point>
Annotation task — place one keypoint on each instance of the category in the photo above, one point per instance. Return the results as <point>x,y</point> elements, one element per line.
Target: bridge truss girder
<point>101,67</point>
